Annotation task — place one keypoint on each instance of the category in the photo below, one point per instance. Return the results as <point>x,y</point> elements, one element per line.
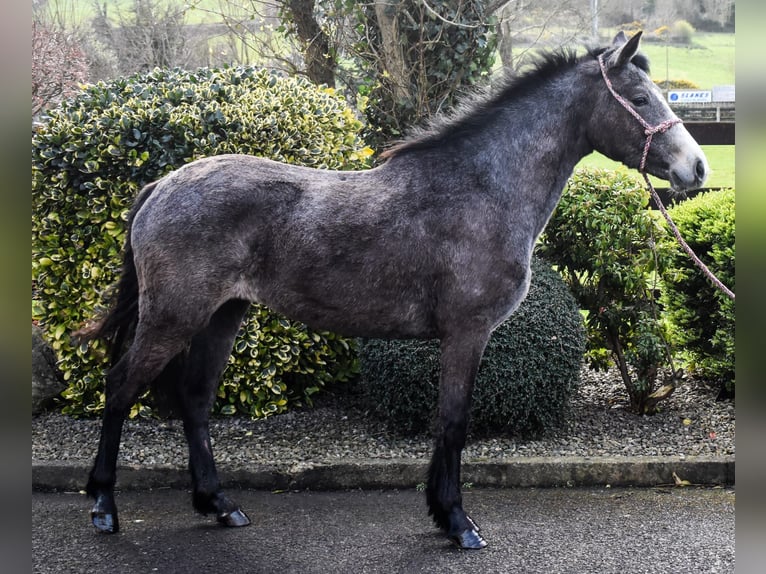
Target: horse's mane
<point>478,109</point>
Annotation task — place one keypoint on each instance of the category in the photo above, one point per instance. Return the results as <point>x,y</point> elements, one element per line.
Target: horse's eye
<point>639,101</point>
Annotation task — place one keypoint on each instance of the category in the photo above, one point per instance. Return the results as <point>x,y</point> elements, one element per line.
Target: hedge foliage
<point>92,155</point>
<point>529,371</point>
<point>601,238</point>
<point>701,316</point>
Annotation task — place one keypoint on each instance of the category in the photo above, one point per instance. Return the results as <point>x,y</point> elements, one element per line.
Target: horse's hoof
<point>103,515</point>
<point>105,522</point>
<point>468,540</point>
<point>234,518</point>
<point>473,523</point>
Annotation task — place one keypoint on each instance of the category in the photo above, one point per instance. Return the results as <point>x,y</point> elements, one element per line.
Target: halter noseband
<point>649,130</point>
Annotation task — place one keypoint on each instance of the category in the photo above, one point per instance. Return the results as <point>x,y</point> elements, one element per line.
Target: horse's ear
<point>619,39</point>
<point>625,49</point>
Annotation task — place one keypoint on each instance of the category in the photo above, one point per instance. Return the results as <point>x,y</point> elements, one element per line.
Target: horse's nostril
<point>700,169</point>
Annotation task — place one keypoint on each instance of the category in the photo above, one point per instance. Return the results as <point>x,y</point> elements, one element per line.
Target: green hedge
<point>91,156</point>
<point>701,316</point>
<point>530,368</point>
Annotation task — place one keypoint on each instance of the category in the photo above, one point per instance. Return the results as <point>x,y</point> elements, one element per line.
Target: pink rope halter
<point>649,131</point>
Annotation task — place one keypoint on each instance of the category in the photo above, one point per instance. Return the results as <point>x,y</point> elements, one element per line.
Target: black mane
<point>477,111</point>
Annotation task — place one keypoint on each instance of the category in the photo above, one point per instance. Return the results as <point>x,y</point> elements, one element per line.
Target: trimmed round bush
<point>701,316</point>
<point>90,157</point>
<point>529,370</point>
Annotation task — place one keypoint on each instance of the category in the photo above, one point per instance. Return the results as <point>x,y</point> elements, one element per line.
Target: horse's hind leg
<point>460,357</point>
<point>130,376</point>
<point>202,369</point>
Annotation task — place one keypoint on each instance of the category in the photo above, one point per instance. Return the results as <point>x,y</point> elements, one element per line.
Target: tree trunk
<point>507,14</point>
<point>505,43</point>
<point>317,52</point>
<point>613,340</point>
<point>394,63</point>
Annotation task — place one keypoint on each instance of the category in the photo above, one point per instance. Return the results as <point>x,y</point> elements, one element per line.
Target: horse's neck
<point>544,140</point>
<point>534,147</point>
<point>522,158</point>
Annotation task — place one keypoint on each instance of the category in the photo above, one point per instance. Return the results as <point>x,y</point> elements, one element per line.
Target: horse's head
<point>632,123</point>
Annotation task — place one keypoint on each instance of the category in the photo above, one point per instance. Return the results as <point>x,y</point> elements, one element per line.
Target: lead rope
<point>649,131</point>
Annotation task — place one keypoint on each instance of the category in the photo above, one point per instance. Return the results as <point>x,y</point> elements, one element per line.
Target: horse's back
<point>309,243</point>
<point>370,253</point>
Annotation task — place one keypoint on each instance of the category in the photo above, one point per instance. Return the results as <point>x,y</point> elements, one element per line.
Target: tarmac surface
<point>539,515</point>
<point>529,530</point>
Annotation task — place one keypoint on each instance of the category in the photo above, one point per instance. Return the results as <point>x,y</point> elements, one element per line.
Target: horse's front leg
<point>460,357</point>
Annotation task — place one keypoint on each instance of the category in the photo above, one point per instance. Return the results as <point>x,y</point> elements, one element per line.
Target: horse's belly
<point>357,314</point>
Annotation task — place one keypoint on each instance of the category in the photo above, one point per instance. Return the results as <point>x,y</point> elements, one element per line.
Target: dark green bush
<point>530,368</point>
<point>91,156</point>
<point>601,238</point>
<point>701,316</point>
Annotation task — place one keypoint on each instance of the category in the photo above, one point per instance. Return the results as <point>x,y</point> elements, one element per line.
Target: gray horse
<point>433,243</point>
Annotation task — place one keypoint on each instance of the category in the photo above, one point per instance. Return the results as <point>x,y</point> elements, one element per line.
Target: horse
<point>434,242</point>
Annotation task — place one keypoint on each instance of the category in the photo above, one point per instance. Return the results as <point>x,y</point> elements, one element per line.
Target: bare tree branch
<point>59,65</point>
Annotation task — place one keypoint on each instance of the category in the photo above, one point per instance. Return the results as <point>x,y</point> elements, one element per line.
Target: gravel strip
<point>691,423</point>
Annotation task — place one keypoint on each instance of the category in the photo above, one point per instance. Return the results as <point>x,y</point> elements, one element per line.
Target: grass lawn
<point>720,158</point>
<point>708,61</point>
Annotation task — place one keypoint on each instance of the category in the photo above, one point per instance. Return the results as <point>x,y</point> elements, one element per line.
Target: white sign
<point>723,93</point>
<point>689,96</point>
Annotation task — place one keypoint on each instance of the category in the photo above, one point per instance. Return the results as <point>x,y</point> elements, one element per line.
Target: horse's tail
<point>117,324</point>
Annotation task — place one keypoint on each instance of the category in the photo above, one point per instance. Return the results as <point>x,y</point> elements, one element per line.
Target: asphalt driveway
<point>529,530</point>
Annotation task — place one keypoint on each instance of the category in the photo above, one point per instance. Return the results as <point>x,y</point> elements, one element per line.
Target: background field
<point>720,158</point>
<point>708,61</point>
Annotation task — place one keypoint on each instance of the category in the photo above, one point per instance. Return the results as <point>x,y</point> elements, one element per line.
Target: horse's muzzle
<point>689,176</point>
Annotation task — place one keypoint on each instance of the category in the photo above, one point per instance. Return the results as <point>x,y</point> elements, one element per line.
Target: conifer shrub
<point>701,316</point>
<point>92,154</point>
<point>529,371</point>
